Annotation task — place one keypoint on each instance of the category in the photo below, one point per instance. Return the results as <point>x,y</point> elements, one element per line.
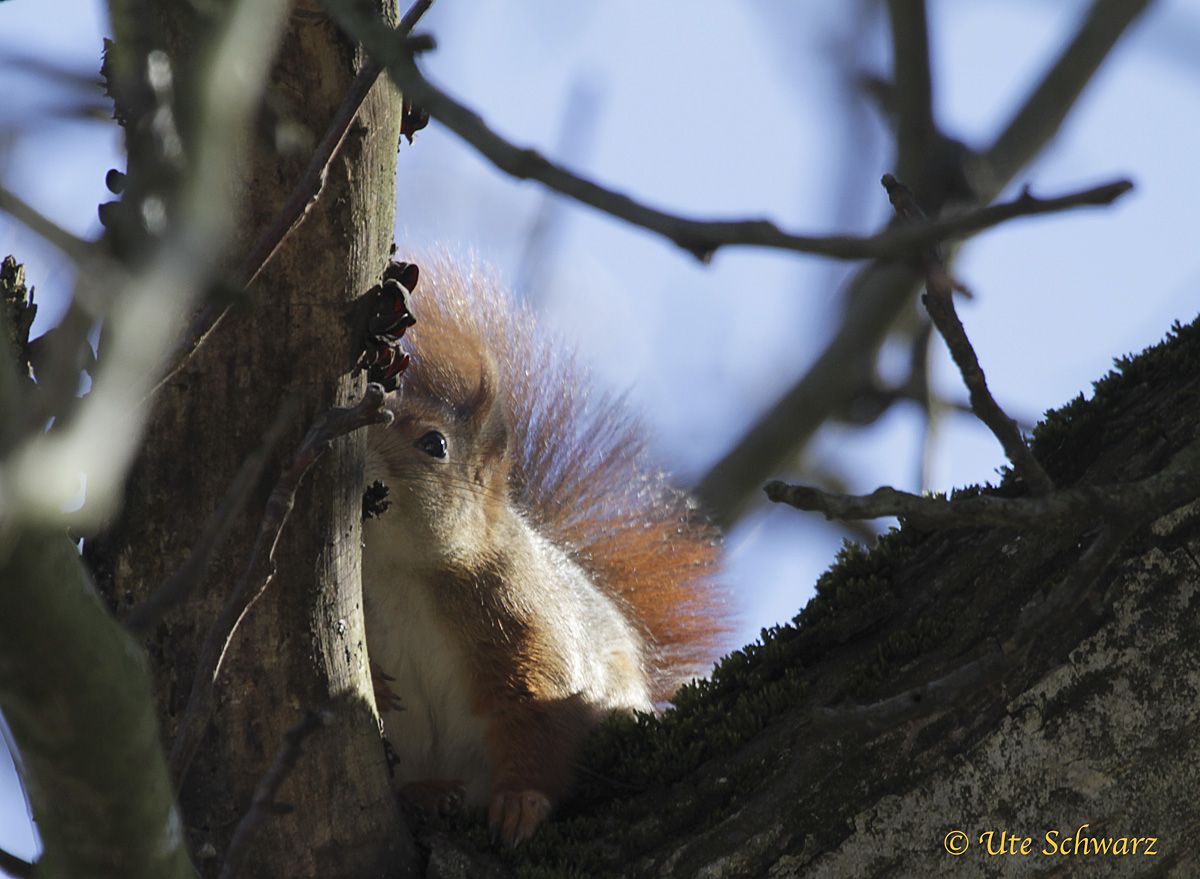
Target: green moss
<point>859,578</point>
<point>897,650</point>
<point>1069,439</point>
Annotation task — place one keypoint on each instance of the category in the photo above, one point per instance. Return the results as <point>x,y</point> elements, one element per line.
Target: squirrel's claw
<point>515,815</point>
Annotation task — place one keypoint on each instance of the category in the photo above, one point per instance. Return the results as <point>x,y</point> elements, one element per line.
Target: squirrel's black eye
<point>432,444</point>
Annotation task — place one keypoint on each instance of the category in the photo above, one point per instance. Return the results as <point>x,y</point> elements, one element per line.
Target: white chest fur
<point>436,736</point>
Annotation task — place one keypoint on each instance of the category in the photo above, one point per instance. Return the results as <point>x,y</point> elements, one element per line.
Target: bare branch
<point>260,568</point>
<point>939,301</point>
<point>263,803</point>
<point>840,372</point>
<point>904,240</point>
<point>880,291</point>
<point>414,15</point>
<point>1072,508</point>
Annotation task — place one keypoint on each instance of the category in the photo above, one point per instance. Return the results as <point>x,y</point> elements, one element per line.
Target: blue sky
<point>718,109</point>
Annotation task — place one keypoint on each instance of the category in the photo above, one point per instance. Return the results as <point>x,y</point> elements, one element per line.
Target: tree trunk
<point>301,646</point>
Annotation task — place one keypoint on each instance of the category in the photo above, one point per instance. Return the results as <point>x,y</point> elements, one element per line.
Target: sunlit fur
<point>541,573</point>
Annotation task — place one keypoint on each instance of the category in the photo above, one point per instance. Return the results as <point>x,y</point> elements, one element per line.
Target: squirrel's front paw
<point>434,797</point>
<point>515,814</point>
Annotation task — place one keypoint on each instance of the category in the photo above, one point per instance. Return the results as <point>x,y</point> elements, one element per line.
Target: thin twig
<point>699,237</point>
<point>939,302</point>
<point>260,568</point>
<point>904,241</point>
<point>263,804</point>
<point>1071,508</point>
<point>303,198</point>
<point>825,474</point>
<point>220,523</point>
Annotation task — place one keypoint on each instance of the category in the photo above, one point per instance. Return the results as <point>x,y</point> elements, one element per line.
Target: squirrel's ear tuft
<point>489,417</point>
<point>493,440</point>
<point>479,405</point>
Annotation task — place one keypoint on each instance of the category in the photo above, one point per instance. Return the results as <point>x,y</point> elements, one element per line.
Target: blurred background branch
<point>879,292</point>
<point>142,312</point>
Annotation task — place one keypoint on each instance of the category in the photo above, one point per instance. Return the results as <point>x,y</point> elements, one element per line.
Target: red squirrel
<point>532,572</point>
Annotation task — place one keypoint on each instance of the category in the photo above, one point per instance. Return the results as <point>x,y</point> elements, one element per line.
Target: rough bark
<point>751,777</point>
<point>301,646</point>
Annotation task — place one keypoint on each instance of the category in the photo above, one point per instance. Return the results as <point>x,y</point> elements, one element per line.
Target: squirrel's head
<point>444,457</point>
